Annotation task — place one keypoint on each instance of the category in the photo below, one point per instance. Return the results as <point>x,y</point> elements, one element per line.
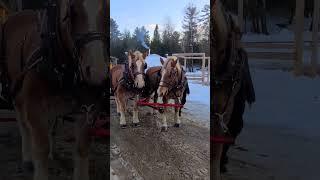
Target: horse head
<point>83,26</point>
<point>137,65</point>
<point>170,73</point>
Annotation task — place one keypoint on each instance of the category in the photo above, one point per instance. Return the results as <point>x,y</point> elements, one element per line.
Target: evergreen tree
<point>190,26</point>
<point>156,41</point>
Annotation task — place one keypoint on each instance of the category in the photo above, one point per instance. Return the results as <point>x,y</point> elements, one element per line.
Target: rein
<point>172,84</point>
<point>235,58</point>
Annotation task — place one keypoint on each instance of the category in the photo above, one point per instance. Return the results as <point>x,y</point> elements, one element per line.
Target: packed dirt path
<point>62,166</point>
<point>147,153</point>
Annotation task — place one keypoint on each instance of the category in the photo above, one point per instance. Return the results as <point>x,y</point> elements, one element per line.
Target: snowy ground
<point>286,101</point>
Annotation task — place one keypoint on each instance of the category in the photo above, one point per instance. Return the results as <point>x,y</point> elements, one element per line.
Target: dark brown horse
<point>54,64</point>
<point>232,82</point>
<point>128,82</point>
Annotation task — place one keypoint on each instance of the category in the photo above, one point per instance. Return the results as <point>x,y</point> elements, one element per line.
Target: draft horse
<point>53,63</point>
<point>232,83</point>
<point>128,81</point>
<point>173,84</point>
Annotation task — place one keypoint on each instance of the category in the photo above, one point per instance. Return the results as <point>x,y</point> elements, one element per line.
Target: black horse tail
<point>249,92</point>
<point>184,96</point>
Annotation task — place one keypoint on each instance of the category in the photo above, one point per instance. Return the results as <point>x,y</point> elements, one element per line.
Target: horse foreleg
<point>217,153</point>
<point>155,100</point>
<point>81,160</point>
<point>135,112</point>
<point>117,103</point>
<point>52,135</point>
<point>25,141</point>
<point>122,109</point>
<point>176,114</point>
<point>164,116</point>
<point>40,141</point>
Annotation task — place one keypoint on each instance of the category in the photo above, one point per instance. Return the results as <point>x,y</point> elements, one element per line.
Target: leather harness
<point>235,60</point>
<point>66,76</point>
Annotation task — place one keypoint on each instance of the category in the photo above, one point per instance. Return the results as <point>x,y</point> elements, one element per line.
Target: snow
<point>285,101</point>
<point>153,60</point>
<point>198,103</point>
<point>199,93</point>
<point>284,35</point>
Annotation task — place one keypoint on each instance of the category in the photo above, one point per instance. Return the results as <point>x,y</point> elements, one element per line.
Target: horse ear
<point>145,54</point>
<point>161,60</point>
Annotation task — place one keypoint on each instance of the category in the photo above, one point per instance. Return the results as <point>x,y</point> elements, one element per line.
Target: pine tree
<point>190,26</point>
<point>156,41</point>
<point>114,31</point>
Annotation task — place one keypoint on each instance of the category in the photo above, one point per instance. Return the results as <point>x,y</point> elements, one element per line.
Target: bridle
<point>233,76</point>
<point>133,74</point>
<point>173,82</point>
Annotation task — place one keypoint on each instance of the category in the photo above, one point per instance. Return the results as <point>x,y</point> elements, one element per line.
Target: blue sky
<point>130,14</point>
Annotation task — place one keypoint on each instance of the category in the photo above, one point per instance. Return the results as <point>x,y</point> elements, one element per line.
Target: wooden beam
<point>188,54</point>
<point>197,58</point>
<point>314,56</point>
<point>299,28</point>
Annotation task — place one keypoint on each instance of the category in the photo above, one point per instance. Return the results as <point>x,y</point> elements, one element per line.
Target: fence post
<point>203,67</point>
<point>208,78</point>
<point>299,41</point>
<point>185,63</point>
<point>240,14</point>
<point>315,26</point>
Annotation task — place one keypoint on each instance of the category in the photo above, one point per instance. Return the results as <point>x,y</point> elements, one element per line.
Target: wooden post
<point>240,14</point>
<point>185,64</point>
<point>203,67</point>
<point>19,5</point>
<point>314,57</point>
<point>299,41</point>
<point>208,78</point>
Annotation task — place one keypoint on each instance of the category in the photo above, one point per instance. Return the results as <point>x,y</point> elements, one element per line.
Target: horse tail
<point>184,96</point>
<point>250,96</point>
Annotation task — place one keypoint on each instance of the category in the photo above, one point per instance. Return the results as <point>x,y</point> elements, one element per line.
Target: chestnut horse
<point>54,62</point>
<point>128,82</point>
<point>232,82</point>
<point>173,85</point>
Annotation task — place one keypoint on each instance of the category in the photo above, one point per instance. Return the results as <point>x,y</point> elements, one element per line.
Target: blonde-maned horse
<point>38,93</point>
<point>128,81</point>
<point>229,62</point>
<point>173,84</point>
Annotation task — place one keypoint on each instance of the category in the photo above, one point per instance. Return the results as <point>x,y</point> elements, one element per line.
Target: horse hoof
<point>176,125</point>
<point>123,126</point>
<point>27,166</point>
<point>136,125</point>
<point>164,129</point>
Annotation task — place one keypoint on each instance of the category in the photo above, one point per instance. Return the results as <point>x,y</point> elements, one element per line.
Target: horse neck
<point>220,25</point>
